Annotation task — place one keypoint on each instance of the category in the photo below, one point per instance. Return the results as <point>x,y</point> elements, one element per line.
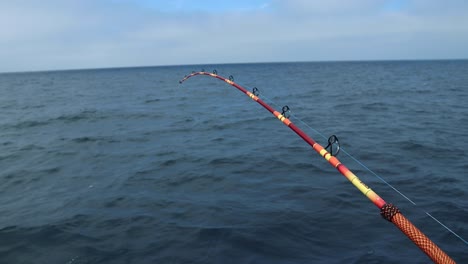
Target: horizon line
<point>227,63</point>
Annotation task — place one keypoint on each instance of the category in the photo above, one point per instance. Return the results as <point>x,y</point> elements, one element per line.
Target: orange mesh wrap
<point>422,241</point>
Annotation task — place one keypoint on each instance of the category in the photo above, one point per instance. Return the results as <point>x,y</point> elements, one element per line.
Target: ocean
<point>126,165</point>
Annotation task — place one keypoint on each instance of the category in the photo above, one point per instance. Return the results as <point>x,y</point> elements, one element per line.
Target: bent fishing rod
<point>387,210</point>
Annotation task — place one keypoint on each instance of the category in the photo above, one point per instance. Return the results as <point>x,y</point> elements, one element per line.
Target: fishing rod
<point>387,210</point>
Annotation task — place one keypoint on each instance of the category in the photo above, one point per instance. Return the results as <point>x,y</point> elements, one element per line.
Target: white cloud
<point>39,35</point>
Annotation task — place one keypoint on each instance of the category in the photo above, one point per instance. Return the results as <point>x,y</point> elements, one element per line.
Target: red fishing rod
<point>388,211</point>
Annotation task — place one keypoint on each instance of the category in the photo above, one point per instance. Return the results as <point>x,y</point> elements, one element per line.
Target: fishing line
<point>373,173</point>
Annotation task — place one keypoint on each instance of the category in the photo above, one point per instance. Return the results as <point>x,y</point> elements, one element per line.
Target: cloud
<point>41,35</point>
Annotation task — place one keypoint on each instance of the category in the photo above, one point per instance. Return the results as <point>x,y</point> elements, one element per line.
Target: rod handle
<point>393,214</point>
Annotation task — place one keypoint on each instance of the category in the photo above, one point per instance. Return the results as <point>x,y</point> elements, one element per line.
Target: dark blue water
<point>128,166</point>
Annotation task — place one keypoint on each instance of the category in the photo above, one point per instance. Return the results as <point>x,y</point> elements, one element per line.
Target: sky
<point>40,35</point>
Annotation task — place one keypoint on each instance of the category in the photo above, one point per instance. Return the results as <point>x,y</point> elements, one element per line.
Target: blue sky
<point>74,34</point>
<point>204,5</point>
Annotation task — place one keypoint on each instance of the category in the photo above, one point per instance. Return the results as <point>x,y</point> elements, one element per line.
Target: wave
<point>64,118</point>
